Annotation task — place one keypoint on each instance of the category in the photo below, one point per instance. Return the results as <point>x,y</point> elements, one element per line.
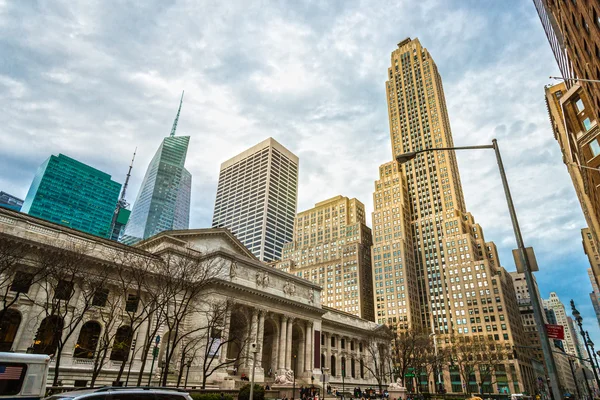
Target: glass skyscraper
<point>163,202</point>
<point>70,193</point>
<point>257,197</point>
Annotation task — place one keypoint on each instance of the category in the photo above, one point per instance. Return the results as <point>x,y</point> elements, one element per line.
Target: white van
<point>23,376</point>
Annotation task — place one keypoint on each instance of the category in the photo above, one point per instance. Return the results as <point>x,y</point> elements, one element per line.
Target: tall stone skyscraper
<point>332,247</point>
<point>257,197</point>
<point>163,202</point>
<point>422,231</point>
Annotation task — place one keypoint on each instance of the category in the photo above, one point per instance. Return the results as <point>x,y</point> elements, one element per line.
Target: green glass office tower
<point>70,193</point>
<point>163,202</point>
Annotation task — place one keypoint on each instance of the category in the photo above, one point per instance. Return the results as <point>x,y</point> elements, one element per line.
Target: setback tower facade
<point>70,193</point>
<point>332,247</point>
<point>463,292</point>
<point>257,196</point>
<point>163,202</point>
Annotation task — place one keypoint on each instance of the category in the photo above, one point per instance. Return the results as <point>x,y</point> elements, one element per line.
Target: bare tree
<point>69,288</point>
<point>471,354</point>
<point>378,356</point>
<point>111,317</point>
<point>18,271</point>
<point>185,276</point>
<point>409,349</point>
<point>215,339</point>
<point>136,280</point>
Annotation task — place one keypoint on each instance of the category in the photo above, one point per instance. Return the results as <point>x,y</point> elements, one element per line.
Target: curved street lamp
<point>537,309</point>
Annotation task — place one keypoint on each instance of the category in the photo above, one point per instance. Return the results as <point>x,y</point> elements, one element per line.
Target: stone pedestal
<point>397,393</point>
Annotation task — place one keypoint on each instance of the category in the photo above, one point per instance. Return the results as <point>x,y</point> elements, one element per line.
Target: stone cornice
<point>315,311</point>
<point>263,267</point>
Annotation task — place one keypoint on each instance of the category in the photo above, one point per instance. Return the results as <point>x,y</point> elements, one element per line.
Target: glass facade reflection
<point>163,202</point>
<point>70,193</point>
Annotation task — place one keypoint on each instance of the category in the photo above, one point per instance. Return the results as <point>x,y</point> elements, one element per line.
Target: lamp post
<point>154,355</point>
<point>254,351</point>
<point>587,343</point>
<point>537,309</point>
<point>343,377</point>
<point>437,363</point>
<point>294,372</point>
<point>591,344</point>
<point>324,378</point>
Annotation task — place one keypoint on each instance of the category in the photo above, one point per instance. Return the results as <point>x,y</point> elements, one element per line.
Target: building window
<point>88,340</point>
<point>587,124</point>
<point>595,147</point>
<point>64,290</point>
<point>9,325</point>
<point>22,282</point>
<point>132,303</point>
<point>100,297</point>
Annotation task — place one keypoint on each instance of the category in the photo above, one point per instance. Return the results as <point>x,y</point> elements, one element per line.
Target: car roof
<point>107,390</point>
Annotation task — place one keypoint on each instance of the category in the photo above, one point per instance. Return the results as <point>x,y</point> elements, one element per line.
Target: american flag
<point>10,373</point>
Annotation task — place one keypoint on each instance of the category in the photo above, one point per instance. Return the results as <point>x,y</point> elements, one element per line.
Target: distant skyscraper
<point>332,241</point>
<point>10,201</point>
<point>257,197</point>
<point>163,202</point>
<point>533,338</point>
<point>570,342</point>
<point>70,193</point>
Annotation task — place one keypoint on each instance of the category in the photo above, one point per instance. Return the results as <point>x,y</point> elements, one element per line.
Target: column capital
<point>284,318</point>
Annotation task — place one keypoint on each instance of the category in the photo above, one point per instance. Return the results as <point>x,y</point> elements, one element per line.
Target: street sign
<point>157,339</point>
<point>555,331</point>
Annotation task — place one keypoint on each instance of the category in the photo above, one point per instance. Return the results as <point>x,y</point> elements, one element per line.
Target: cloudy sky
<point>95,79</point>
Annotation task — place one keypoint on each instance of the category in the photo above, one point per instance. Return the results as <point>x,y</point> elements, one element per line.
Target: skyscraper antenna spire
<point>177,117</point>
<point>122,199</point>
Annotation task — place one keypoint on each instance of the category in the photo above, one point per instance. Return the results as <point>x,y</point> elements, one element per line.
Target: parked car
<point>123,393</point>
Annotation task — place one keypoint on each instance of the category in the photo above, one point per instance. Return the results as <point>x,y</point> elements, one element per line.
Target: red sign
<point>555,331</point>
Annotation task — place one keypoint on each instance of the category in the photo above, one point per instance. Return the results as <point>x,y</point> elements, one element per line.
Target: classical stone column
<point>282,342</point>
<point>260,337</point>
<point>288,347</point>
<point>252,337</point>
<point>225,337</point>
<point>308,346</point>
<point>301,356</point>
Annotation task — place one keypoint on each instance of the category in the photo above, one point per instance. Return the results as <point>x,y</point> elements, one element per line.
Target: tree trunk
<point>181,368</point>
<point>122,368</point>
<point>57,367</point>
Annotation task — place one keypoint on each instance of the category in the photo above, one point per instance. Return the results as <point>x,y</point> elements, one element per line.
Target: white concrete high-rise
<point>257,196</point>
<point>570,342</point>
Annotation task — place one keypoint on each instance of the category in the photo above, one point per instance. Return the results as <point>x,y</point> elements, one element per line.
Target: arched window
<point>88,340</point>
<point>48,335</point>
<point>353,368</point>
<point>362,369</point>
<point>122,344</point>
<point>8,329</point>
